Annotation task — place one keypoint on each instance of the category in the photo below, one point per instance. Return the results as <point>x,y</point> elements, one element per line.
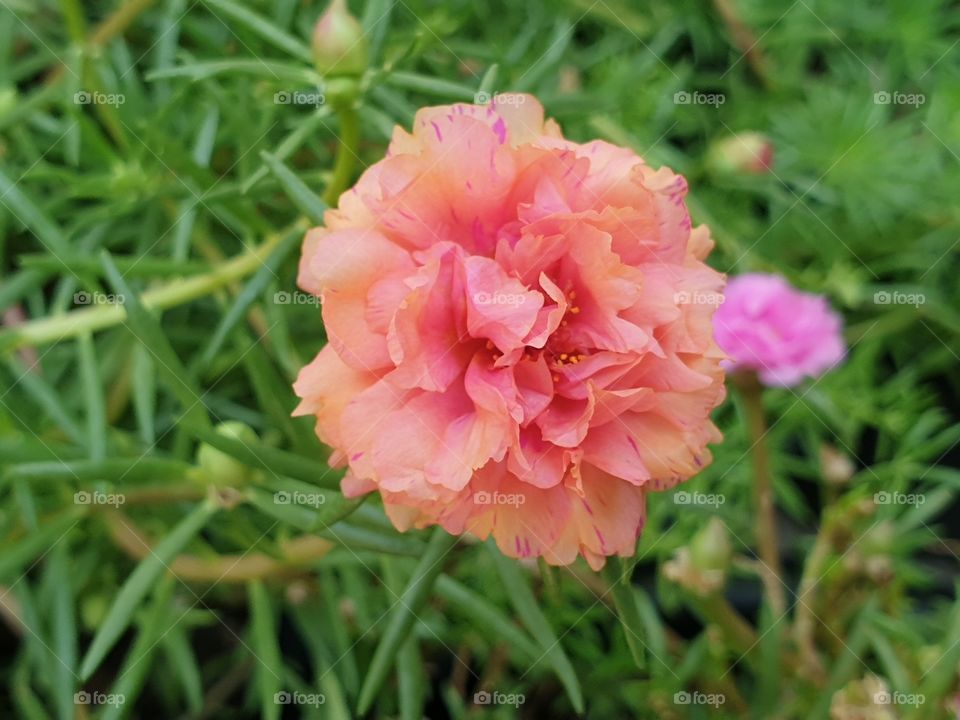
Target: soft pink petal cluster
<point>785,335</point>
<point>512,350</point>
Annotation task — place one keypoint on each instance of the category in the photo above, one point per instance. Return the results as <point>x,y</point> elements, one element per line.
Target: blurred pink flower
<point>512,347</point>
<point>785,335</point>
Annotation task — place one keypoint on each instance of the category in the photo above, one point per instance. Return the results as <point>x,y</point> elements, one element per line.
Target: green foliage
<point>159,163</point>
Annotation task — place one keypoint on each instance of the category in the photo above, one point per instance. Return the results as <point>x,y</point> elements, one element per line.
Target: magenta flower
<point>785,335</point>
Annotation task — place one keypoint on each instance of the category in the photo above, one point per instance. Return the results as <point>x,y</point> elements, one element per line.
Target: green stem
<point>346,152</point>
<point>806,620</point>
<point>115,24</point>
<point>550,584</point>
<point>294,556</point>
<point>119,21</point>
<point>76,323</point>
<point>745,39</point>
<point>617,574</point>
<point>741,637</point>
<point>752,393</point>
<point>73,18</point>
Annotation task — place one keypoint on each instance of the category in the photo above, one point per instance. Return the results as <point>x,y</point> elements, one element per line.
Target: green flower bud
<point>702,566</point>
<point>710,549</point>
<point>747,152</point>
<point>339,44</point>
<point>218,467</point>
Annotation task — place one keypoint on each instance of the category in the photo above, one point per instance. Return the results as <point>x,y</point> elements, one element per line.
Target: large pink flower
<point>509,350</point>
<point>783,334</point>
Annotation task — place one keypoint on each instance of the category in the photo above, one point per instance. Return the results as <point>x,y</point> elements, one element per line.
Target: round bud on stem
<point>836,467</point>
<point>220,468</point>
<point>702,566</point>
<point>339,43</point>
<point>710,549</point>
<point>746,152</point>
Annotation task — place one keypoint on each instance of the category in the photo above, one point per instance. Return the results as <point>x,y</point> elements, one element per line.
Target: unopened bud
<point>339,44</point>
<point>702,567</point>
<point>836,467</point>
<point>710,548</point>
<point>220,468</point>
<point>746,152</point>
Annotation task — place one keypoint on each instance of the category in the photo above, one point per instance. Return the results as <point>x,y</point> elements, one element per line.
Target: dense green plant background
<point>188,200</point>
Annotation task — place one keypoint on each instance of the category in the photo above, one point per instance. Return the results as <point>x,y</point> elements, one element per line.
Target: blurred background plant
<point>172,542</point>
